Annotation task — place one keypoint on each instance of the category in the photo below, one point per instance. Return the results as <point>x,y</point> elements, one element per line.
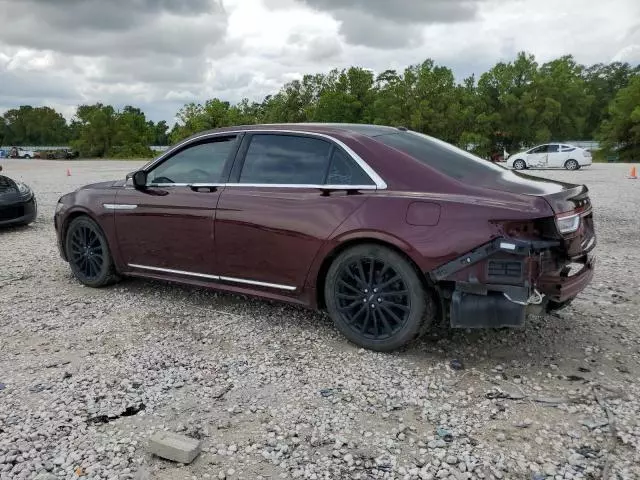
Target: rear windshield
<point>442,156</point>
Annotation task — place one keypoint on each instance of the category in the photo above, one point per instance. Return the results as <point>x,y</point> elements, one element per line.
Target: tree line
<point>515,104</point>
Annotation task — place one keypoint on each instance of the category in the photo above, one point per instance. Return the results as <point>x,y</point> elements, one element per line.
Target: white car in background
<point>18,152</point>
<point>551,155</point>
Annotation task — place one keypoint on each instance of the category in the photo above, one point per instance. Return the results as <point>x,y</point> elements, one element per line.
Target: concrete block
<point>45,476</point>
<point>174,446</point>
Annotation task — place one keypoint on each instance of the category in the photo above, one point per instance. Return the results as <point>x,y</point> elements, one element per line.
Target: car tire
<point>88,253</point>
<point>571,164</point>
<point>27,157</point>
<point>372,310</point>
<point>519,164</point>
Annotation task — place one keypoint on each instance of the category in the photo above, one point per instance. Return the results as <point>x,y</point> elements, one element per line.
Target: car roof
<point>368,130</point>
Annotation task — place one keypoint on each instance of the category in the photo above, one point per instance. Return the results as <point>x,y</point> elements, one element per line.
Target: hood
<point>12,191</point>
<point>100,185</point>
<point>7,185</point>
<point>515,154</point>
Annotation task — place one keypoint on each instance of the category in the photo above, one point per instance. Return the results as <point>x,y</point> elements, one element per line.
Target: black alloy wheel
<point>375,297</point>
<point>88,253</point>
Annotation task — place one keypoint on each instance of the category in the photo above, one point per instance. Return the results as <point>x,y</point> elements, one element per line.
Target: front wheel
<point>376,298</point>
<point>571,164</point>
<point>519,165</point>
<point>88,253</point>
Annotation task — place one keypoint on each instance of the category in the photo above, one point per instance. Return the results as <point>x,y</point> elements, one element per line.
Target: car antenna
<point>402,129</point>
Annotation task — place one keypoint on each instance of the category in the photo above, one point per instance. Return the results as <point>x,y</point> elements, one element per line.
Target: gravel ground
<point>86,376</point>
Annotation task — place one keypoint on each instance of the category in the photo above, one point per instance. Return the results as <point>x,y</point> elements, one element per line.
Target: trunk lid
<point>565,199</point>
<point>562,197</point>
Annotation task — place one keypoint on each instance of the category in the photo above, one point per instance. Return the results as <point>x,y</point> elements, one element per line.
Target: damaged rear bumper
<point>565,286</point>
<point>473,302</point>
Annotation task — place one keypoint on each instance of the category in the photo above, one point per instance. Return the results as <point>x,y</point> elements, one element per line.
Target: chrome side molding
<point>119,206</point>
<point>216,278</point>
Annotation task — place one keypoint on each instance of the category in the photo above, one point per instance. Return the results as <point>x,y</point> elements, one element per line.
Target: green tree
<point>514,104</point>
<point>27,125</point>
<point>621,129</point>
<point>562,100</point>
<point>100,131</point>
<point>507,103</point>
<point>344,97</point>
<point>94,128</point>
<point>132,134</point>
<point>603,81</point>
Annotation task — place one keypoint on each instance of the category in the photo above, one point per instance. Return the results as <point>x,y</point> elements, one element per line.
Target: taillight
<point>568,223</point>
<point>586,153</point>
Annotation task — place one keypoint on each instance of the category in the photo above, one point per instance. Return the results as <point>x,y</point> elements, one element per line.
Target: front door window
<point>199,163</point>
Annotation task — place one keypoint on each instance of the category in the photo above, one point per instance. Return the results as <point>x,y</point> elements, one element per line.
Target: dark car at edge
<point>386,229</point>
<point>18,204</point>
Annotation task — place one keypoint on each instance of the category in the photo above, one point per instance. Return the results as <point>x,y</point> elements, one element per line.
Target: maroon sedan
<point>386,229</point>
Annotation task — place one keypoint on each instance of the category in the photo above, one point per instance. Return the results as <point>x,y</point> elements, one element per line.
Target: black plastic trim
<point>515,246</point>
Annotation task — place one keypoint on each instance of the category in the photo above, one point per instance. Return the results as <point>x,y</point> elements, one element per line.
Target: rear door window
<point>540,149</point>
<point>344,171</point>
<point>285,160</point>
<point>552,148</point>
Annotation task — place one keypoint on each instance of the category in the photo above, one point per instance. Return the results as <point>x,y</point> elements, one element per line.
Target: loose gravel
<point>273,391</point>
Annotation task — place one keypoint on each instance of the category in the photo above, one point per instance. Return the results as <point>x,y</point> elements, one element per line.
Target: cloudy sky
<point>161,54</point>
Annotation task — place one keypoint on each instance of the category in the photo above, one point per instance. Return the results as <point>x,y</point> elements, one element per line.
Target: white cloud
<point>160,54</point>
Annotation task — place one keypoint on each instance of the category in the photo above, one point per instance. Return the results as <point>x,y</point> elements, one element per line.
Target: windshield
<point>442,156</point>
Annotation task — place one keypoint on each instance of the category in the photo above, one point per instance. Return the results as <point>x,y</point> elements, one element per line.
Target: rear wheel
<point>519,165</point>
<point>88,253</point>
<point>376,298</point>
<point>571,164</point>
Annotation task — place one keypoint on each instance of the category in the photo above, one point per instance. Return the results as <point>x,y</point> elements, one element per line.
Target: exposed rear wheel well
<point>324,268</point>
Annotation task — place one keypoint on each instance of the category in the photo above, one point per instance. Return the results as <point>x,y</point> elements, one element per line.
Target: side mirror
<point>140,179</point>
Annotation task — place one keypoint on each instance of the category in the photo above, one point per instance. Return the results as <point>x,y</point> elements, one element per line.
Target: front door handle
<point>203,188</point>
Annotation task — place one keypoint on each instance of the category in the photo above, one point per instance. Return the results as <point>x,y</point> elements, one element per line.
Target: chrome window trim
<point>214,277</point>
<point>265,185</point>
<point>380,184</point>
<point>194,185</point>
<point>301,185</point>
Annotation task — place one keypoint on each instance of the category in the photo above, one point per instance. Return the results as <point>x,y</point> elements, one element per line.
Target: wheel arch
<point>69,217</point>
<point>392,244</point>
